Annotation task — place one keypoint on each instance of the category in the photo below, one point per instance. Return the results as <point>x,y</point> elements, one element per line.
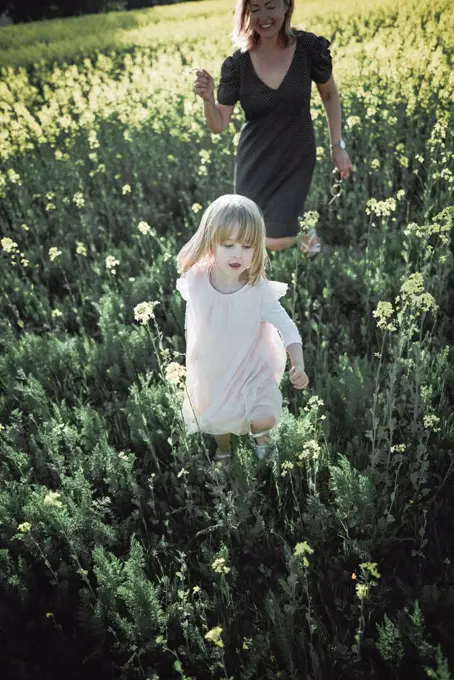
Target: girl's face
<point>233,258</point>
<point>267,17</point>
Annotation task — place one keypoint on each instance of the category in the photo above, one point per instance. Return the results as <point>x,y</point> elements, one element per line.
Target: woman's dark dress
<point>276,151</point>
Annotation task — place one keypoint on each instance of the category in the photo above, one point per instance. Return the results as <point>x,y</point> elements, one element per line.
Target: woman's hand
<point>204,85</point>
<point>342,162</point>
<point>298,377</point>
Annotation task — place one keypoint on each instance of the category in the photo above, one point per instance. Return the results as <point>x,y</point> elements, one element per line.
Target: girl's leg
<point>262,425</point>
<point>223,442</point>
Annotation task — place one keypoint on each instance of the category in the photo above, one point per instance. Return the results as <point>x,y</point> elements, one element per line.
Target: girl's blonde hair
<point>244,36</point>
<point>229,215</point>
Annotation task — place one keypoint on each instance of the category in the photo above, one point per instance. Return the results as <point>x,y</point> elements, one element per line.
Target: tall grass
<point>124,551</point>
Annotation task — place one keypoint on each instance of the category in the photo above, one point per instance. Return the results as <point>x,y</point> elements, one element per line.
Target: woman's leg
<point>280,243</point>
<point>307,242</point>
<point>310,243</point>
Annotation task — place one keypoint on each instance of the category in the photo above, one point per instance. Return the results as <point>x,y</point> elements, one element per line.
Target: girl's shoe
<point>222,457</point>
<point>313,248</point>
<point>266,452</point>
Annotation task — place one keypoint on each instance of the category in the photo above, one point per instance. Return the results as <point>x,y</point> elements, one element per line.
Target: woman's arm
<point>331,101</point>
<point>217,115</point>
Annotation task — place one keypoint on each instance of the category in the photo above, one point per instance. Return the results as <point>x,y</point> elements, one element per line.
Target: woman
<point>270,75</point>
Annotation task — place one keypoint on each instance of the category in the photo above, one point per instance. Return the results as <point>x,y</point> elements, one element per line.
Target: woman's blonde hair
<point>229,215</point>
<point>244,36</point>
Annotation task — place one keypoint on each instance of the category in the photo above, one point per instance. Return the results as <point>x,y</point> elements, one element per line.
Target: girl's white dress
<point>235,356</point>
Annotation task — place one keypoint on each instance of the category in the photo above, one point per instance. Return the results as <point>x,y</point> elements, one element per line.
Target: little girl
<point>235,357</point>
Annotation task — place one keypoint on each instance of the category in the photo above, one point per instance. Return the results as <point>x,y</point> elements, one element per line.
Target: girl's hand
<point>342,162</point>
<point>298,377</point>
<point>204,85</point>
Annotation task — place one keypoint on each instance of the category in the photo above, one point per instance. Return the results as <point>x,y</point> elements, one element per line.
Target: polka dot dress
<point>276,151</point>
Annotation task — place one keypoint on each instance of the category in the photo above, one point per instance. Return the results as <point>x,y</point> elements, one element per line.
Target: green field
<point>124,552</point>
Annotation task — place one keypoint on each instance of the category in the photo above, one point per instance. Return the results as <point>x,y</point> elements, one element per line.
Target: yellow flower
<point>214,636</point>
<point>362,590</point>
<point>220,566</point>
<point>144,228</point>
<point>311,449</point>
<point>398,448</point>
<point>24,528</point>
<point>196,207</point>
<point>54,253</point>
<point>126,189</point>
<point>431,422</point>
<point>286,467</point>
<point>314,403</point>
<point>52,498</point>
<point>247,643</point>
<point>381,208</point>
<point>309,220</point>
<point>352,121</point>
<point>414,295</point>
<point>371,567</point>
<point>111,263</point>
<point>78,199</point>
<point>383,313</point>
<point>8,245</point>
<point>81,248</point>
<point>174,373</point>
<point>144,311</point>
<point>302,549</point>
<point>196,590</point>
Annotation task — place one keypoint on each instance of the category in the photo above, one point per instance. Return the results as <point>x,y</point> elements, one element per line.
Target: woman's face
<point>267,17</point>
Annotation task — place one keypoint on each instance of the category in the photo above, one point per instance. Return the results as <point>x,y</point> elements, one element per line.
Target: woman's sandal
<point>315,248</point>
<point>266,452</point>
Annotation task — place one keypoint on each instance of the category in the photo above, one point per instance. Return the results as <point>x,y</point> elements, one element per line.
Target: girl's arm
<point>295,352</point>
<point>274,313</point>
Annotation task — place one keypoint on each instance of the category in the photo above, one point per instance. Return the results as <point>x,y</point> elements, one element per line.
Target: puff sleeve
<point>273,312</point>
<point>320,60</point>
<point>229,84</point>
<point>183,289</point>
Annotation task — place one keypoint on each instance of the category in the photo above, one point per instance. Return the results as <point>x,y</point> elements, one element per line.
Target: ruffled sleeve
<point>229,84</point>
<point>320,59</point>
<point>182,287</point>
<point>278,289</point>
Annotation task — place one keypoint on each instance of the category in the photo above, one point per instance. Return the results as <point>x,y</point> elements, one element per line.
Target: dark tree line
<point>32,10</point>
